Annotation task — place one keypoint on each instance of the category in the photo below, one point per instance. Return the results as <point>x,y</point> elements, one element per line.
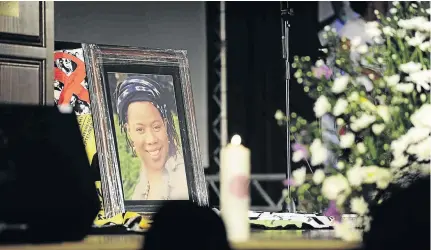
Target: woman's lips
<point>154,153</point>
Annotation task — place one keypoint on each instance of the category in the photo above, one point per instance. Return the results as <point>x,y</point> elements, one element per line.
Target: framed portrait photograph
<point>145,128</point>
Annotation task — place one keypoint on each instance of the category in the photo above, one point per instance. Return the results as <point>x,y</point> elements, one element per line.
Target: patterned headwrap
<point>138,89</point>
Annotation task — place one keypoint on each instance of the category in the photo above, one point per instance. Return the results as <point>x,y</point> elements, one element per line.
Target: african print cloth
<point>131,220</point>
<point>271,220</point>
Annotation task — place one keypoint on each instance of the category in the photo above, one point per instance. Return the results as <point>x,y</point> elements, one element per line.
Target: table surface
<point>268,239</point>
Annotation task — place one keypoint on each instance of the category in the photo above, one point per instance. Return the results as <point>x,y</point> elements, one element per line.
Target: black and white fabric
<point>135,89</point>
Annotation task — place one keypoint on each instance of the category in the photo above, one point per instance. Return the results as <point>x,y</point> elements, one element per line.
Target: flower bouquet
<point>378,95</point>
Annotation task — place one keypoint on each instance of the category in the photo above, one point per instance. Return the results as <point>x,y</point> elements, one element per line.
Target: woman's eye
<point>139,130</point>
<point>157,128</point>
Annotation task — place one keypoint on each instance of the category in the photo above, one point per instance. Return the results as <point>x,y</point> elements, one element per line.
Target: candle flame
<point>236,140</point>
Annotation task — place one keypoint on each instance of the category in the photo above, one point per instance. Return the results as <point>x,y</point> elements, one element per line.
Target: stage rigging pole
<point>285,13</point>
<point>223,76</point>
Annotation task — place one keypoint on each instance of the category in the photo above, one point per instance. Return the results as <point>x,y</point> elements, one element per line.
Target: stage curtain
<point>256,86</point>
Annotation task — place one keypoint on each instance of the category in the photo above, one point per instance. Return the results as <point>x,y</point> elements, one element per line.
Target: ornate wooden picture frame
<point>145,128</point>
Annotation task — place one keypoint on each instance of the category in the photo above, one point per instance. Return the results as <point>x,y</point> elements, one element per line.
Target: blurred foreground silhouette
<point>184,225</point>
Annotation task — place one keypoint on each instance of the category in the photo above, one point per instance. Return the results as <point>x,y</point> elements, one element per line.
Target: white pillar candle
<point>234,189</point>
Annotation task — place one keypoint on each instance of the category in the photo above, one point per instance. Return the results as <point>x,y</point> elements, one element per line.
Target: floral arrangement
<point>378,95</point>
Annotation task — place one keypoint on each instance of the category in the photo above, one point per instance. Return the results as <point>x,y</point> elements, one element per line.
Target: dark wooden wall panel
<point>26,52</point>
<point>28,21</point>
<point>18,85</point>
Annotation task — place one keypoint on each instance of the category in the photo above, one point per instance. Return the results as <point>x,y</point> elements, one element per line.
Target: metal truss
<point>219,123</point>
<point>272,206</point>
<point>216,95</point>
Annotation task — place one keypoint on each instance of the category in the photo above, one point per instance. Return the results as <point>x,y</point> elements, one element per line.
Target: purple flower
<point>333,211</point>
<point>302,148</point>
<point>322,71</point>
<point>289,182</point>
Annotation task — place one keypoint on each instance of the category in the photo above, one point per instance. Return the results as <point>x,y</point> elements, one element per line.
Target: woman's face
<point>148,133</point>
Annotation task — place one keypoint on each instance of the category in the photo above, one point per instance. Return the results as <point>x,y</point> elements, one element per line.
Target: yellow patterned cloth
<point>86,126</point>
<point>131,220</point>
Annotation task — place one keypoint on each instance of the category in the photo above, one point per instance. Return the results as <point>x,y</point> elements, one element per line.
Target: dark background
<point>255,72</point>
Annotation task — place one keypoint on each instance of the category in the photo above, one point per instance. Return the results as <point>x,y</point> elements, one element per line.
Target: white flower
<point>383,112</point>
<point>347,140</point>
<point>422,117</point>
<point>299,175</point>
<point>425,169</point>
<point>318,176</point>
<point>340,165</point>
<point>398,147</point>
<point>335,185</point>
<point>416,23</point>
<point>410,67</point>
<point>370,174</point>
<point>413,135</point>
<point>346,231</point>
<point>425,46</point>
<point>353,97</point>
<point>355,176</point>
<point>400,160</point>
<point>340,84</point>
<point>393,11</point>
<point>416,134</point>
<point>279,115</point>
<point>417,39</point>
<point>341,199</point>
<point>401,33</point>
<point>366,104</point>
<point>389,31</point>
<point>422,79</point>
<point>366,82</point>
<point>378,128</point>
<point>319,63</point>
<point>359,205</point>
<point>392,80</point>
<point>362,49</point>
<point>372,29</point>
<point>356,41</point>
<point>318,152</point>
<point>384,179</point>
<point>298,155</point>
<point>367,223</point>
<point>321,106</point>
<point>361,148</point>
<point>340,122</point>
<point>362,122</point>
<point>373,174</point>
<point>340,107</point>
<point>406,88</point>
<point>358,162</point>
<point>422,150</point>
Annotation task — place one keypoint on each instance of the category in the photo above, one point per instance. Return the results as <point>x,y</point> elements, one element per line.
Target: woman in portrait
<point>148,126</point>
